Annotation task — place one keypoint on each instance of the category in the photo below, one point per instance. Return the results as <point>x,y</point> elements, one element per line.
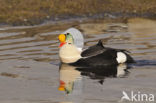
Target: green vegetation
<point>29,12</point>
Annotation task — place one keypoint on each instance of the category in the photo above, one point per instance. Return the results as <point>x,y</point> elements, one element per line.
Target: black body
<point>98,55</point>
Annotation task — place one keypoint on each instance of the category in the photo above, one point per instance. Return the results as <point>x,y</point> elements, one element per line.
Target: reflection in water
<point>71,76</point>
<point>105,71</point>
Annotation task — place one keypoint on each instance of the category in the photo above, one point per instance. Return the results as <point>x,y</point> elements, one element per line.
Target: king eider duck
<point>94,56</point>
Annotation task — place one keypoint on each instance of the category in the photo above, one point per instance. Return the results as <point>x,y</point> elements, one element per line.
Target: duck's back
<point>94,50</point>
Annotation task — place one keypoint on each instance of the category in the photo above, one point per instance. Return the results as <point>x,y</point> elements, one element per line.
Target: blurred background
<point>31,12</point>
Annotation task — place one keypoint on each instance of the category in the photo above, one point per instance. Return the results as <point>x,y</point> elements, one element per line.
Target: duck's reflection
<point>71,76</point>
<point>105,71</point>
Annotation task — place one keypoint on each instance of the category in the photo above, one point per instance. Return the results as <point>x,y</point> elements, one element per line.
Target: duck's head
<point>65,38</point>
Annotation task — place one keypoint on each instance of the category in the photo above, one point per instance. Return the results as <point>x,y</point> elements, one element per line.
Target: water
<point>29,63</point>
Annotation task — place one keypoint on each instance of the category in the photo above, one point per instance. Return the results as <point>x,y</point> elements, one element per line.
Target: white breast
<point>69,53</point>
<point>121,57</point>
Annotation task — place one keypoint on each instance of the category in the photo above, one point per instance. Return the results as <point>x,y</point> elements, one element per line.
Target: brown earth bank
<point>31,12</point>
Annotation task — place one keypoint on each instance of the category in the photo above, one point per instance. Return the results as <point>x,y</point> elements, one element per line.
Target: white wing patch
<point>121,57</point>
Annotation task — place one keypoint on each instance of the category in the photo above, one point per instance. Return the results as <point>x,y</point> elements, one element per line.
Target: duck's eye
<point>67,33</point>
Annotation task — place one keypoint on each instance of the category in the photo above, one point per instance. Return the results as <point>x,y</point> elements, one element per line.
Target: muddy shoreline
<point>17,13</point>
<point>74,18</point>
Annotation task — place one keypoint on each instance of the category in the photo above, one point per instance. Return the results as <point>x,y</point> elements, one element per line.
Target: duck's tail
<point>130,59</point>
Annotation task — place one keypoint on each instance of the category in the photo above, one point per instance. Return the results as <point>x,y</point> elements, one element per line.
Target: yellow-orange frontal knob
<point>62,38</point>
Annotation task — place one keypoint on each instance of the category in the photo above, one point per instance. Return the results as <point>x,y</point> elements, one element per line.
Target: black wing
<point>93,50</point>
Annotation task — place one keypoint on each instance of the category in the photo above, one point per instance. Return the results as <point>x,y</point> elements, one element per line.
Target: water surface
<point>30,70</point>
